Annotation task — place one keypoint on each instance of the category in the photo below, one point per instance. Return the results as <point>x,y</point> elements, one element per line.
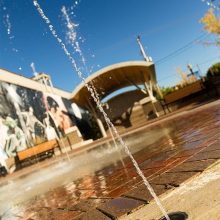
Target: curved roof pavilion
<point>113,78</point>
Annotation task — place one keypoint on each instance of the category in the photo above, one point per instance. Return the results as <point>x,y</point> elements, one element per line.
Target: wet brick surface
<point>192,166</point>
<point>92,215</point>
<point>89,204</point>
<point>142,193</point>
<point>214,154</point>
<point>173,179</point>
<point>191,146</point>
<point>120,206</point>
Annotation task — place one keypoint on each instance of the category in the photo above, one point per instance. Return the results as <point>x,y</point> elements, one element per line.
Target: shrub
<point>167,90</point>
<point>213,71</point>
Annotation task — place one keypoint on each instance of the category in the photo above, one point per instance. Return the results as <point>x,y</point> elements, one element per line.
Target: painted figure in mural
<point>53,120</point>
<point>50,132</point>
<point>60,118</point>
<point>31,121</point>
<point>3,139</point>
<point>56,108</point>
<point>15,138</point>
<point>3,132</point>
<point>15,100</point>
<point>57,118</point>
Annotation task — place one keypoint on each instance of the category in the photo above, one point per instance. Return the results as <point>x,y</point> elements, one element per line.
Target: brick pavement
<point>117,190</point>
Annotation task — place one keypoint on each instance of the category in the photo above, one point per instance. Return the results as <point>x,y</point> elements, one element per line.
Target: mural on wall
<point>29,117</point>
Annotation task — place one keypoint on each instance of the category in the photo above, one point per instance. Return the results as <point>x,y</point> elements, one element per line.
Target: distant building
<point>128,108</point>
<point>32,111</point>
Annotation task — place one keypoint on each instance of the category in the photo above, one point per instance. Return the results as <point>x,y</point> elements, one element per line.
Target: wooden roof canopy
<point>113,78</point>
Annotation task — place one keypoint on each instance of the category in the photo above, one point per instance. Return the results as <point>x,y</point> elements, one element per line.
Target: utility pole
<point>146,58</point>
<point>148,85</point>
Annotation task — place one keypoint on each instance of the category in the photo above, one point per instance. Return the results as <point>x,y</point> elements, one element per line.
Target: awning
<point>113,78</point>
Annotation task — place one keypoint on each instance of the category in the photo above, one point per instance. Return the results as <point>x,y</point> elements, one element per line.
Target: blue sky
<point>108,29</point>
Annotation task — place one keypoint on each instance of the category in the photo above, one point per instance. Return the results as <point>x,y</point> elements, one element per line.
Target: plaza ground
<point>100,182</point>
<point>198,197</point>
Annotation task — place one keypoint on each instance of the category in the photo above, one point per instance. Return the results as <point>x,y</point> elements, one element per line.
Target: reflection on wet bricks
<point>187,146</point>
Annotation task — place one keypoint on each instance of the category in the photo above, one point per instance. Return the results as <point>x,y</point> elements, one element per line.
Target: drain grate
<point>176,216</point>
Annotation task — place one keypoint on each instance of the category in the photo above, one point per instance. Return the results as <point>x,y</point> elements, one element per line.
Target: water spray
<point>90,89</point>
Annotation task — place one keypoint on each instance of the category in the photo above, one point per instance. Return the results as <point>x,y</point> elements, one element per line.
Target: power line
<point>167,77</point>
<point>181,50</point>
<point>174,74</point>
<point>215,4</point>
<point>209,60</point>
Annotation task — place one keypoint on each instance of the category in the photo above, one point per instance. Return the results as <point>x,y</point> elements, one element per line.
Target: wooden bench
<point>46,147</point>
<point>184,92</point>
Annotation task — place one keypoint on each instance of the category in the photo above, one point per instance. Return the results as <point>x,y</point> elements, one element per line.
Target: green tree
<point>213,71</point>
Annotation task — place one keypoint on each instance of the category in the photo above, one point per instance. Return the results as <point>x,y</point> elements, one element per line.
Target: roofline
<point>107,69</point>
<point>20,80</point>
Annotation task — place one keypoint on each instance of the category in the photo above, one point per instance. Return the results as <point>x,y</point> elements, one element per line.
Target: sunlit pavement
<point>197,197</point>
<point>102,182</point>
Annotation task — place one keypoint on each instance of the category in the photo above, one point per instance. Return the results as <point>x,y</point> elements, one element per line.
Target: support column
<point>101,127</point>
<point>159,91</point>
<point>155,110</point>
<point>149,86</point>
<point>98,120</point>
<point>149,89</point>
